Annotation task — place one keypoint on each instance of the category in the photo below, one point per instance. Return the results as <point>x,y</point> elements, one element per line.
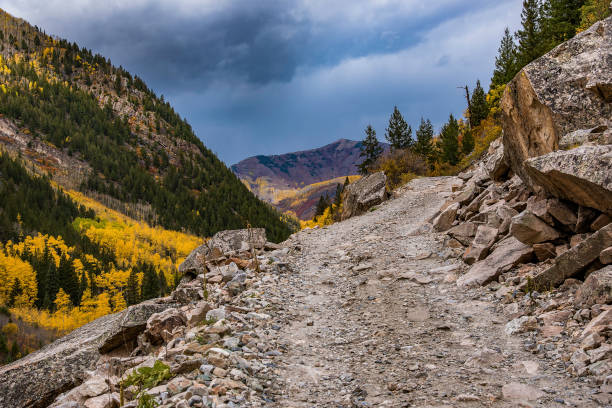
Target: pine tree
<point>449,138</point>
<point>68,279</point>
<point>479,107</point>
<point>132,293</point>
<point>559,21</point>
<point>346,183</point>
<point>14,353</point>
<point>530,44</point>
<point>424,142</point>
<point>467,143</point>
<point>16,291</point>
<point>370,150</point>
<point>505,62</point>
<point>3,345</point>
<point>593,11</point>
<point>398,134</point>
<point>338,197</point>
<point>163,284</point>
<point>320,208</point>
<point>150,283</point>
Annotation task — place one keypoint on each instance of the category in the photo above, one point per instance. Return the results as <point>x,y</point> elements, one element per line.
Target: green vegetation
<point>544,25</point>
<point>145,378</point>
<point>370,150</point>
<point>193,190</point>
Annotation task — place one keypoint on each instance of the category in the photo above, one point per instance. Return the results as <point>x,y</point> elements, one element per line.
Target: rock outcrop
<point>363,194</point>
<point>35,380</point>
<point>563,91</point>
<point>224,243</point>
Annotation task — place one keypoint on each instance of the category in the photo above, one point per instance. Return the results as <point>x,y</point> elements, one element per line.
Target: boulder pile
<point>533,219</point>
<point>204,345</point>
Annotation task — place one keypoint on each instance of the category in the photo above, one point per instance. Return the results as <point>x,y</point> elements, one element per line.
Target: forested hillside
<point>138,148</point>
<point>104,189</point>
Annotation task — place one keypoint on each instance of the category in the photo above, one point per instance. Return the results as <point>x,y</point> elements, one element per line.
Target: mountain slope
<point>294,182</point>
<point>127,143</point>
<point>269,176</point>
<point>104,189</point>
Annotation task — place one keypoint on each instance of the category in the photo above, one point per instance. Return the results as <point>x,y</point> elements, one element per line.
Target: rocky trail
<point>489,289</point>
<point>371,316</point>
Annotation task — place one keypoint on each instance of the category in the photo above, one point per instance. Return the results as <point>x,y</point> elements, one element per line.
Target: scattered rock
<point>597,288</point>
<point>521,325</point>
<point>575,259</point>
<point>509,252</point>
<point>529,229</point>
<point>520,392</point>
<point>446,218</point>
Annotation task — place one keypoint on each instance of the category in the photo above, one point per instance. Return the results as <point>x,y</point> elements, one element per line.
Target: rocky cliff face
<point>564,91</point>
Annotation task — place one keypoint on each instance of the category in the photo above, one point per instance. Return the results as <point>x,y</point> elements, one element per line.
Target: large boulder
<point>232,241</point>
<point>582,175</point>
<point>36,379</point>
<point>195,263</point>
<point>573,261</point>
<point>483,241</point>
<point>363,194</point>
<point>161,326</point>
<point>561,92</point>
<point>509,252</point>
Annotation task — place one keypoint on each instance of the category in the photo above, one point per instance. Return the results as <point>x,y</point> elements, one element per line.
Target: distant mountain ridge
<point>295,181</point>
<point>269,177</point>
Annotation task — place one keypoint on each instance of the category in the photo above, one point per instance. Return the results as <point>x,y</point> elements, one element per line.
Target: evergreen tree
<point>505,62</point>
<point>14,352</point>
<point>320,208</point>
<point>530,44</point>
<point>370,150</point>
<point>559,21</point>
<point>16,291</point>
<point>163,284</point>
<point>424,142</point>
<point>346,183</point>
<point>150,283</point>
<point>467,143</point>
<point>398,134</point>
<point>479,106</point>
<point>132,293</point>
<point>449,138</point>
<point>3,345</point>
<point>593,11</point>
<point>338,197</point>
<point>53,286</point>
<point>68,280</point>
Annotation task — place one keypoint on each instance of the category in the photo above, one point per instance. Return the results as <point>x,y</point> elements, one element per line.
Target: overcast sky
<point>269,77</point>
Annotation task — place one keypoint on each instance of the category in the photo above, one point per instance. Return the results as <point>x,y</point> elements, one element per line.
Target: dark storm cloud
<point>255,45</point>
<point>271,76</point>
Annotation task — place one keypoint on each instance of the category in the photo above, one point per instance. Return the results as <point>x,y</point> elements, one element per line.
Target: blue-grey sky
<point>272,76</point>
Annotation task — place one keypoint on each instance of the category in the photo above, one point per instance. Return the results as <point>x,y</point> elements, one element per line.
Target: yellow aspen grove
<point>62,301</point>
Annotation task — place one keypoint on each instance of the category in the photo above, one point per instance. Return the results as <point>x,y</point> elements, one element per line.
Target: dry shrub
<point>401,166</point>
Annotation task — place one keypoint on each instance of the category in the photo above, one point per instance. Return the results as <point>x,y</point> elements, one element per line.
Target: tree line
<point>544,25</point>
